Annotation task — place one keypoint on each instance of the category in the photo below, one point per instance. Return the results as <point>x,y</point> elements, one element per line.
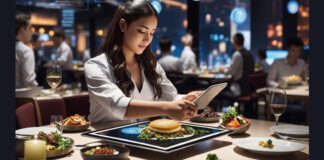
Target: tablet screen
<point>204,99</point>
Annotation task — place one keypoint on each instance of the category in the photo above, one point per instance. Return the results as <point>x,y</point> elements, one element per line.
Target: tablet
<point>212,91</point>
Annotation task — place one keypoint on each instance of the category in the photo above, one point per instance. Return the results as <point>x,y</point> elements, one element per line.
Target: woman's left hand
<point>191,96</point>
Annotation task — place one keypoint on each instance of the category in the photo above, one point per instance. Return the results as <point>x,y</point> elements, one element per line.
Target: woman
<point>124,81</point>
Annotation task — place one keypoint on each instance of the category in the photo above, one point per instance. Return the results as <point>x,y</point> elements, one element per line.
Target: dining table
<point>222,146</point>
<point>211,77</point>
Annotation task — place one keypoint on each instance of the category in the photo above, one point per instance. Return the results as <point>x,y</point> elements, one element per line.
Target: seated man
<point>167,61</point>
<point>291,65</point>
<point>241,67</point>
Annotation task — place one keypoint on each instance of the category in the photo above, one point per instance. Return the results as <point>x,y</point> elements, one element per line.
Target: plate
<point>59,153</point>
<point>206,75</point>
<point>281,147</point>
<point>34,130</point>
<point>75,128</point>
<point>123,153</point>
<point>295,82</point>
<point>291,130</point>
<point>28,92</point>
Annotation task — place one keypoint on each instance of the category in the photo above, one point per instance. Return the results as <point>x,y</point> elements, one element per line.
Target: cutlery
<point>86,144</point>
<point>292,138</point>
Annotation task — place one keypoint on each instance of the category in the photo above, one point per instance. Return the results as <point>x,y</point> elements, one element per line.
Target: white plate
<point>280,147</point>
<point>34,130</point>
<point>291,130</point>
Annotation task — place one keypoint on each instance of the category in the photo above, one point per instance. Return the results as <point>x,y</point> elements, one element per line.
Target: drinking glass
<point>203,67</point>
<point>54,76</point>
<point>278,103</point>
<point>57,123</point>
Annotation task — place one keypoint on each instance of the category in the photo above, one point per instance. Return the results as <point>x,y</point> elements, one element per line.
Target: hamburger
<point>164,129</point>
<point>164,126</point>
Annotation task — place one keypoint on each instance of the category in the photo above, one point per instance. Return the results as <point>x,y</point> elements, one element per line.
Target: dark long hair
<point>113,43</point>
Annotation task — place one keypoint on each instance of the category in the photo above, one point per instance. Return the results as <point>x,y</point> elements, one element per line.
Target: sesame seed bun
<point>164,126</point>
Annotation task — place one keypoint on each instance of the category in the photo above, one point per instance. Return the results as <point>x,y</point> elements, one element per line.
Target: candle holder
<point>34,149</point>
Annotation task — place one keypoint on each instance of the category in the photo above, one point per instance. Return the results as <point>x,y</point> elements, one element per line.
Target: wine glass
<point>54,76</point>
<point>278,103</point>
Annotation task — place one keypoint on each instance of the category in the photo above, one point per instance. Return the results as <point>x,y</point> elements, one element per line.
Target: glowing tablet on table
<point>204,99</point>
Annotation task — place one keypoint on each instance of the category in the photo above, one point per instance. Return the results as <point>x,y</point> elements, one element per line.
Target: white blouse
<point>25,66</point>
<point>107,101</point>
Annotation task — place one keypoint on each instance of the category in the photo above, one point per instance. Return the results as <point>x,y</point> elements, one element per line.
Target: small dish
<point>122,153</point>
<point>75,128</point>
<point>239,130</point>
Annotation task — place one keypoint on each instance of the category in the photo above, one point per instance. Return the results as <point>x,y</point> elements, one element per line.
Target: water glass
<point>57,123</point>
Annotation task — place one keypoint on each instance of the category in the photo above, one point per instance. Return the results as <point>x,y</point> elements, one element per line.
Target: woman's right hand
<point>181,109</point>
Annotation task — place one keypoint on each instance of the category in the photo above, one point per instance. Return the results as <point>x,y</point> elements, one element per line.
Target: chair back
<point>26,116</point>
<point>257,80</point>
<point>77,105</point>
<point>49,107</point>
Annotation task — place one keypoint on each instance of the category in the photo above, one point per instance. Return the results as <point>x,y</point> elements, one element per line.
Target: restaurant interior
<point>248,74</point>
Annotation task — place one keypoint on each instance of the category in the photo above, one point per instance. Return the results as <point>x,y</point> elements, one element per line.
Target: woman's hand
<point>191,96</point>
<point>181,109</point>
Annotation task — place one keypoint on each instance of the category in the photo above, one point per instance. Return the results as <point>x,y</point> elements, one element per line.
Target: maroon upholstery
<point>257,80</point>
<point>77,105</point>
<point>26,116</point>
<point>49,107</point>
<point>23,100</point>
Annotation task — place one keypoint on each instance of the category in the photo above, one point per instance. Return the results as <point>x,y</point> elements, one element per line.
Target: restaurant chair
<point>77,105</point>
<point>49,107</point>
<point>256,80</point>
<point>26,116</point>
<point>20,101</point>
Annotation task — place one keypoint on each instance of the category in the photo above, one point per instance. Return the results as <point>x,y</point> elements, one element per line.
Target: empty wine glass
<point>278,103</point>
<point>54,76</point>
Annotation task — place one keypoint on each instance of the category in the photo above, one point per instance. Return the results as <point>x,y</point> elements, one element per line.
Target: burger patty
<point>148,134</point>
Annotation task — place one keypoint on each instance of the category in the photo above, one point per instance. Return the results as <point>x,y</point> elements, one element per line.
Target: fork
<point>86,144</point>
<point>292,138</point>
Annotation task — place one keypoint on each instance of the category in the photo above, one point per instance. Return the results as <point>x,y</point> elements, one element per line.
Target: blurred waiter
<point>64,55</point>
<point>188,57</point>
<point>25,60</point>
